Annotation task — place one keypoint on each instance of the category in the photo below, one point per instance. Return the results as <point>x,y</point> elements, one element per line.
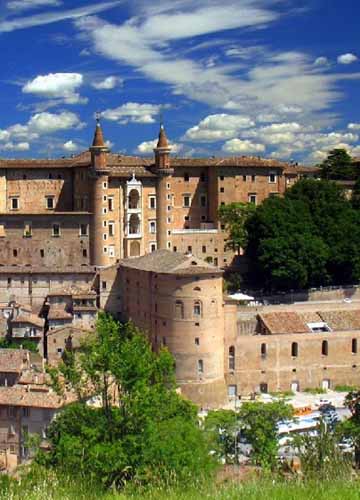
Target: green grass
<point>47,486</point>
<point>345,388</point>
<point>315,390</point>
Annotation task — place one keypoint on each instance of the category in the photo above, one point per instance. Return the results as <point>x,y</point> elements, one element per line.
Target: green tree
<point>6,343</point>
<point>260,422</point>
<point>221,428</point>
<point>132,436</point>
<point>351,428</point>
<point>320,456</point>
<point>338,166</point>
<point>234,216</point>
<point>310,237</point>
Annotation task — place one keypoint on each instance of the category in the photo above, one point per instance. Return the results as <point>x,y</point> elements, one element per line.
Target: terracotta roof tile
<point>22,396</point>
<point>14,360</point>
<point>283,323</point>
<point>165,261</point>
<point>342,320</point>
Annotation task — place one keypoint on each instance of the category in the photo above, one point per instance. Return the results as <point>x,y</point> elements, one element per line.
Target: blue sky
<point>272,78</point>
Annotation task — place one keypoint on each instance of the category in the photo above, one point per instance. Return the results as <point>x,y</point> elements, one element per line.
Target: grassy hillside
<point>52,488</point>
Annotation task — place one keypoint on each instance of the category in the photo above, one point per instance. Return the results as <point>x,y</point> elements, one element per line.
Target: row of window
<point>56,230</point>
<point>49,202</point>
<point>272,178</point>
<point>42,252</point>
<point>324,348</point>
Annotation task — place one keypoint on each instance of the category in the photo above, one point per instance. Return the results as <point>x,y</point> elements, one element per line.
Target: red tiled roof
<point>13,360</point>
<point>21,396</point>
<point>283,323</point>
<point>342,320</point>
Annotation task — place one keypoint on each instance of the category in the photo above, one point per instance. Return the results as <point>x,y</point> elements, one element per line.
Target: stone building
<point>224,349</point>
<point>63,216</point>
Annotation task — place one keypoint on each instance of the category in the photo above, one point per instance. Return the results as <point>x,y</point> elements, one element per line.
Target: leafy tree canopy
<point>310,237</point>
<point>338,166</point>
<point>143,431</point>
<point>234,216</point>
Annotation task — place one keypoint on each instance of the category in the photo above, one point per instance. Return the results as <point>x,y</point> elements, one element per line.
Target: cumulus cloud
<point>240,146</point>
<point>147,147</point>
<point>347,58</point>
<point>321,61</point>
<point>133,112</point>
<point>10,146</point>
<point>353,126</point>
<point>19,5</point>
<point>108,83</point>
<point>19,136</point>
<point>71,146</point>
<point>218,127</point>
<point>47,123</point>
<point>61,86</point>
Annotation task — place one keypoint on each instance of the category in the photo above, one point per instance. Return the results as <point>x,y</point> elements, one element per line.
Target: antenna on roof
<point>98,116</point>
<point>161,118</point>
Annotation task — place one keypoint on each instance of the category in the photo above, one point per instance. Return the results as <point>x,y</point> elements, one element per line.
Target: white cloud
<point>218,127</point>
<point>71,146</point>
<point>321,61</point>
<point>8,25</point>
<point>61,86</point>
<point>108,83</point>
<point>353,126</point>
<point>47,123</point>
<point>236,146</point>
<point>347,58</point>
<point>147,147</point>
<point>18,5</point>
<point>20,146</point>
<point>133,112</point>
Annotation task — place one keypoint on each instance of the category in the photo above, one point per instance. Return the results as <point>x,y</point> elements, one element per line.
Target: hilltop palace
<point>141,239</point>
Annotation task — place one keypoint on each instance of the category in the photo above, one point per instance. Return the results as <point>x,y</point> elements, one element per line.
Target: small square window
<point>15,203</point>
<point>222,190</point>
<point>50,202</point>
<point>56,230</point>
<point>186,201</point>
<point>252,199</point>
<point>83,229</point>
<point>272,177</point>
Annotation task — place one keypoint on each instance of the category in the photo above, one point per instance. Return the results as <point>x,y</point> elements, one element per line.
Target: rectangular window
<point>105,249</point>
<point>85,252</point>
<point>111,251</point>
<point>272,177</point>
<point>152,202</point>
<point>111,203</point>
<point>104,210</point>
<point>27,230</point>
<point>105,236</point>
<point>252,198</point>
<point>50,202</point>
<point>186,200</point>
<point>253,178</point>
<point>244,178</point>
<point>222,190</point>
<point>197,341</point>
<point>15,203</point>
<point>105,185</point>
<point>26,412</point>
<point>204,249</point>
<point>56,230</point>
<point>152,247</point>
<point>83,229</point>
<point>111,227</point>
<point>203,200</point>
<point>152,227</point>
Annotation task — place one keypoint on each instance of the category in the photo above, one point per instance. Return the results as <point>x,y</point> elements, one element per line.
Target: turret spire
<point>98,141</point>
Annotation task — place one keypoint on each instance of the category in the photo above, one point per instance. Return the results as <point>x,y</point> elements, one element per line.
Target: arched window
<point>197,308</point>
<point>325,348</point>
<point>354,346</point>
<point>134,199</point>
<point>197,289</point>
<point>232,358</point>
<point>294,350</point>
<point>179,309</point>
<point>263,350</point>
<point>134,224</point>
<point>200,366</point>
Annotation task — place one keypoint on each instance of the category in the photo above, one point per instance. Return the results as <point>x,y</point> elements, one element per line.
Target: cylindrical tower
<point>163,189</point>
<point>100,184</point>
